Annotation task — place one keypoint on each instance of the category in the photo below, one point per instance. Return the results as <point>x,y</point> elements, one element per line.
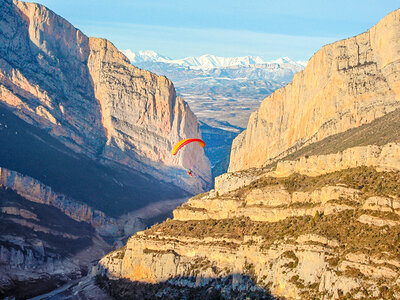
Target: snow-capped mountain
<point>204,62</point>
<point>220,90</point>
<point>211,61</point>
<point>287,60</point>
<point>145,56</point>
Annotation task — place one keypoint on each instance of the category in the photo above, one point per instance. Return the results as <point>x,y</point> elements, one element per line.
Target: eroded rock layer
<point>296,236</point>
<point>35,191</point>
<point>40,246</point>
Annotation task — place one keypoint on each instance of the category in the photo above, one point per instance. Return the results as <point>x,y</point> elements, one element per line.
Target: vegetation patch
<point>199,196</point>
<point>386,215</point>
<point>192,208</point>
<point>354,272</point>
<point>291,255</point>
<point>302,205</point>
<point>333,261</point>
<point>299,283</point>
<point>160,252</point>
<point>344,201</point>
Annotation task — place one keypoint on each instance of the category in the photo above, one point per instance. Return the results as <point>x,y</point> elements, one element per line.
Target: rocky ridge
<point>146,126</point>
<point>35,191</point>
<point>384,158</point>
<point>345,84</point>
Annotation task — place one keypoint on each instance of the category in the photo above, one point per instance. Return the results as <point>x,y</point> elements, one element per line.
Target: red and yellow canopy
<point>184,142</point>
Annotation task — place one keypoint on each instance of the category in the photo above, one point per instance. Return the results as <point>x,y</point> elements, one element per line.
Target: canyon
<point>310,206</point>
<point>221,91</point>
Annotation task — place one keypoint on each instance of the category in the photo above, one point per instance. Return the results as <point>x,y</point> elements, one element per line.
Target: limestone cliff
<point>345,84</point>
<point>84,92</point>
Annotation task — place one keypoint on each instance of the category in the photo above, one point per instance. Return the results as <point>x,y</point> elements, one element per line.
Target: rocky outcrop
<point>371,220</point>
<point>47,268</point>
<point>382,204</point>
<point>345,84</point>
<point>116,229</point>
<point>44,78</point>
<point>84,92</point>
<point>295,270</point>
<point>17,255</point>
<point>40,245</point>
<point>269,204</point>
<point>35,191</point>
<point>233,180</point>
<point>385,158</point>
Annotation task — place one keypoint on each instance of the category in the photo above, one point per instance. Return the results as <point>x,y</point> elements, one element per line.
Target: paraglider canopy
<point>184,142</point>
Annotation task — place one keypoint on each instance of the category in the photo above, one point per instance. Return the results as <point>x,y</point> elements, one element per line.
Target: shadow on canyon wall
<point>113,189</point>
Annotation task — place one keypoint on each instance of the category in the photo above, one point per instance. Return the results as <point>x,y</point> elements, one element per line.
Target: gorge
<point>309,207</point>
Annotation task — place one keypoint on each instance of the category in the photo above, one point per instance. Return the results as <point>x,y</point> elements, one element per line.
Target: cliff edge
<point>345,84</point>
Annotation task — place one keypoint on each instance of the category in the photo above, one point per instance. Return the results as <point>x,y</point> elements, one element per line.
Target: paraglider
<point>184,142</point>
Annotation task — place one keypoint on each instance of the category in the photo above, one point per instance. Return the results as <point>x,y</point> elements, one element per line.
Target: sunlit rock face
<point>323,236</point>
<point>86,93</point>
<point>345,84</point>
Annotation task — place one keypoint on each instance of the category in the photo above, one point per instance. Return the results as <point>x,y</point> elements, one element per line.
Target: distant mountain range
<point>222,91</point>
<point>206,61</point>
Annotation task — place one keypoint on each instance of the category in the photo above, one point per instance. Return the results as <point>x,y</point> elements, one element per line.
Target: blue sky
<point>181,28</point>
